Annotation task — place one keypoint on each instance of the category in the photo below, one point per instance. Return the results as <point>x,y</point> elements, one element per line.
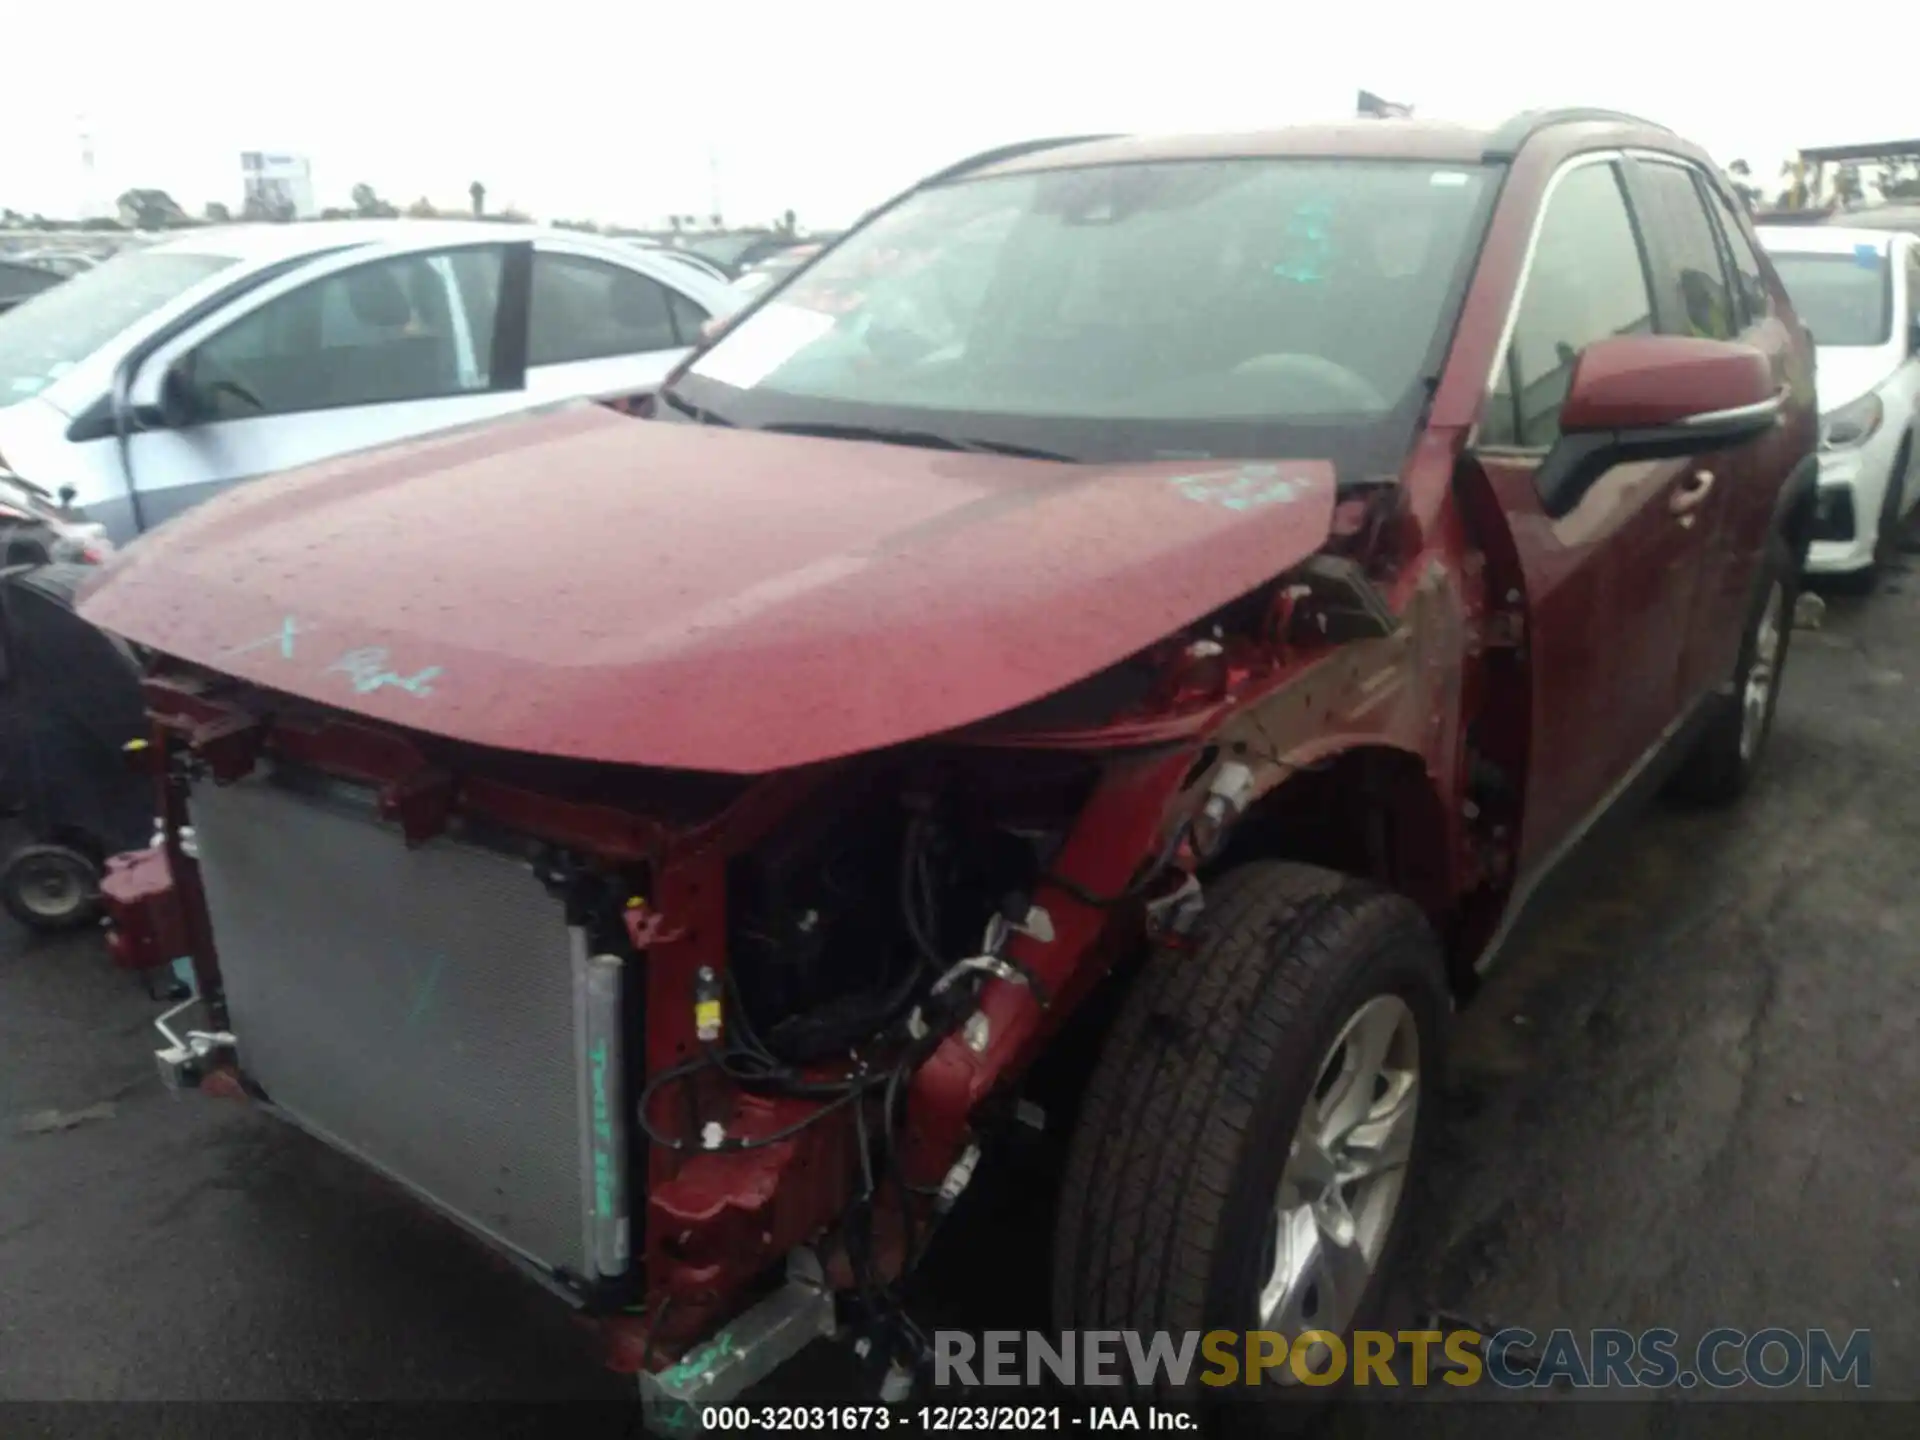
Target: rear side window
<point>1749,288</point>
<point>1587,282</point>
<point>1694,296</point>
<point>590,310</point>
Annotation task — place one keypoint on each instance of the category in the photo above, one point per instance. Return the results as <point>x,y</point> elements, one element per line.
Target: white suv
<point>1858,291</point>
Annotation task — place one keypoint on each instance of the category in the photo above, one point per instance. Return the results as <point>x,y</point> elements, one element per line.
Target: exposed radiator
<point>426,1010</point>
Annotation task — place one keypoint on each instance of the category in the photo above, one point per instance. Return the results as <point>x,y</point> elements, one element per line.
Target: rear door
<point>358,350</point>
<point>1609,580</point>
<point>1694,295</point>
<point>1757,470</point>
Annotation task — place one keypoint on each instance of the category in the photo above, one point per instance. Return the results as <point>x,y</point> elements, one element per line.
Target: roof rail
<point>1505,142</point>
<point>1007,152</point>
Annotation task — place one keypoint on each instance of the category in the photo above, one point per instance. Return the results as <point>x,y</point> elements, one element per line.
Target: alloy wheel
<point>1756,699</point>
<point>1345,1174</point>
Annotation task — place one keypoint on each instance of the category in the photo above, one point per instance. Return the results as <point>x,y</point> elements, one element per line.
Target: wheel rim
<point>51,890</point>
<point>1756,699</point>
<point>1346,1171</point>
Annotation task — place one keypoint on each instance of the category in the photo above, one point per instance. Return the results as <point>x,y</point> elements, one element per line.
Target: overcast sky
<point>629,111</point>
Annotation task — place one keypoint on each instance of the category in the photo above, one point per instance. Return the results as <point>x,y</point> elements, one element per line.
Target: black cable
<point>911,893</point>
<point>909,1235</point>
<point>1134,890</point>
<point>846,1092</point>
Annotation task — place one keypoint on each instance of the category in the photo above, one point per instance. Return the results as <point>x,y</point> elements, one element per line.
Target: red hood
<point>583,584</point>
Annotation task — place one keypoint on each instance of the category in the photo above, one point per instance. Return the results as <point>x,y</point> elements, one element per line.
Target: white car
<point>1858,291</point>
<point>174,370</point>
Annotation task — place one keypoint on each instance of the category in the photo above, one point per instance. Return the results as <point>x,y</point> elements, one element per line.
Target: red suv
<point>1219,575</point>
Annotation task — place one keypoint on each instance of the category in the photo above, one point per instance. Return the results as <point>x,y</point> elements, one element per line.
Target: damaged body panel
<point>686,902</point>
<point>751,570</point>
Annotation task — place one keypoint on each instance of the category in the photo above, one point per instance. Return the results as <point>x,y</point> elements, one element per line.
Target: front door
<point>352,353</point>
<point>1608,581</point>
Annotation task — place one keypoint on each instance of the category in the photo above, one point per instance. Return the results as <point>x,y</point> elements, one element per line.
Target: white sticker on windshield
<point>761,344</point>
<point>1447,178</point>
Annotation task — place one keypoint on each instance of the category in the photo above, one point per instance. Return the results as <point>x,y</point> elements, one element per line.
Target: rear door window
<point>586,309</point>
<point>1750,287</point>
<point>1587,282</point>
<point>1690,282</point>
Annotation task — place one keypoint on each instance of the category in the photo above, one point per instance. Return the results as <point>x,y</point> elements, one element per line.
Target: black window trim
<point>1730,261</point>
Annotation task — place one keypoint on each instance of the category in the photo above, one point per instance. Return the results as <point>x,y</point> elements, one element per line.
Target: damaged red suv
<point>1220,576</point>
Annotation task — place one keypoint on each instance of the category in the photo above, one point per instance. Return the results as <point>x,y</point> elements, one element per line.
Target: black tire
<point>1721,764</point>
<point>1176,1159</point>
<point>50,888</point>
<point>1886,537</point>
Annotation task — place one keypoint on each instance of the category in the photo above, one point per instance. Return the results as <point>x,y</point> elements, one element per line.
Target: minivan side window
<point>1695,299</point>
<point>587,309</point>
<point>1587,281</point>
<point>1755,303</point>
<point>414,327</point>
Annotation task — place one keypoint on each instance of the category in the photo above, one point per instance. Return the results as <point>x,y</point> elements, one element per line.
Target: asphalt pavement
<point>1692,1098</point>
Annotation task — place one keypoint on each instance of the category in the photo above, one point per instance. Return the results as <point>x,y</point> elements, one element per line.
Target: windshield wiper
<point>692,411</point>
<point>925,439</point>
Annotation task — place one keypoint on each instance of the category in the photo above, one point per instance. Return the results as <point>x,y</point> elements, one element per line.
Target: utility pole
<point>713,180</point>
<point>90,204</point>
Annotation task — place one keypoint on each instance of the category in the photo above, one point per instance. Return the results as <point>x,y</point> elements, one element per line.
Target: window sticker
<point>1309,244</point>
<point>761,344</point>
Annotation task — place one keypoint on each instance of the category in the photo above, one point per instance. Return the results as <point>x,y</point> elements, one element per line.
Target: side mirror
<point>1654,397</point>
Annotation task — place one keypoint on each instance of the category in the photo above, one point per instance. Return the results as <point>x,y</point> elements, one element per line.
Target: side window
<point>585,309</point>
<point>1587,282</point>
<point>1913,290</point>
<point>687,318</point>
<point>416,327</point>
<point>1694,296</point>
<point>1750,288</point>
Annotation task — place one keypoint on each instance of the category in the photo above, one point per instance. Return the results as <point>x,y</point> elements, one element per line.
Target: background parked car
<point>711,269</point>
<point>779,265</point>
<point>172,371</point>
<point>21,281</point>
<point>1858,291</point>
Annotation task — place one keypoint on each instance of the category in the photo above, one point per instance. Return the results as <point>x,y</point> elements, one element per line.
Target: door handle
<point>1690,494</point>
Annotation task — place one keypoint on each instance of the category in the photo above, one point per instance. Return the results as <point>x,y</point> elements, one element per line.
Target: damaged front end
<point>652,1033</point>
<point>648,1041</point>
<point>695,960</point>
<point>693,1048</point>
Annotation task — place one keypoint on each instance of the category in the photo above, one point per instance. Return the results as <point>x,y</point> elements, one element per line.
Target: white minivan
<point>176,369</point>
<point>1858,291</point>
